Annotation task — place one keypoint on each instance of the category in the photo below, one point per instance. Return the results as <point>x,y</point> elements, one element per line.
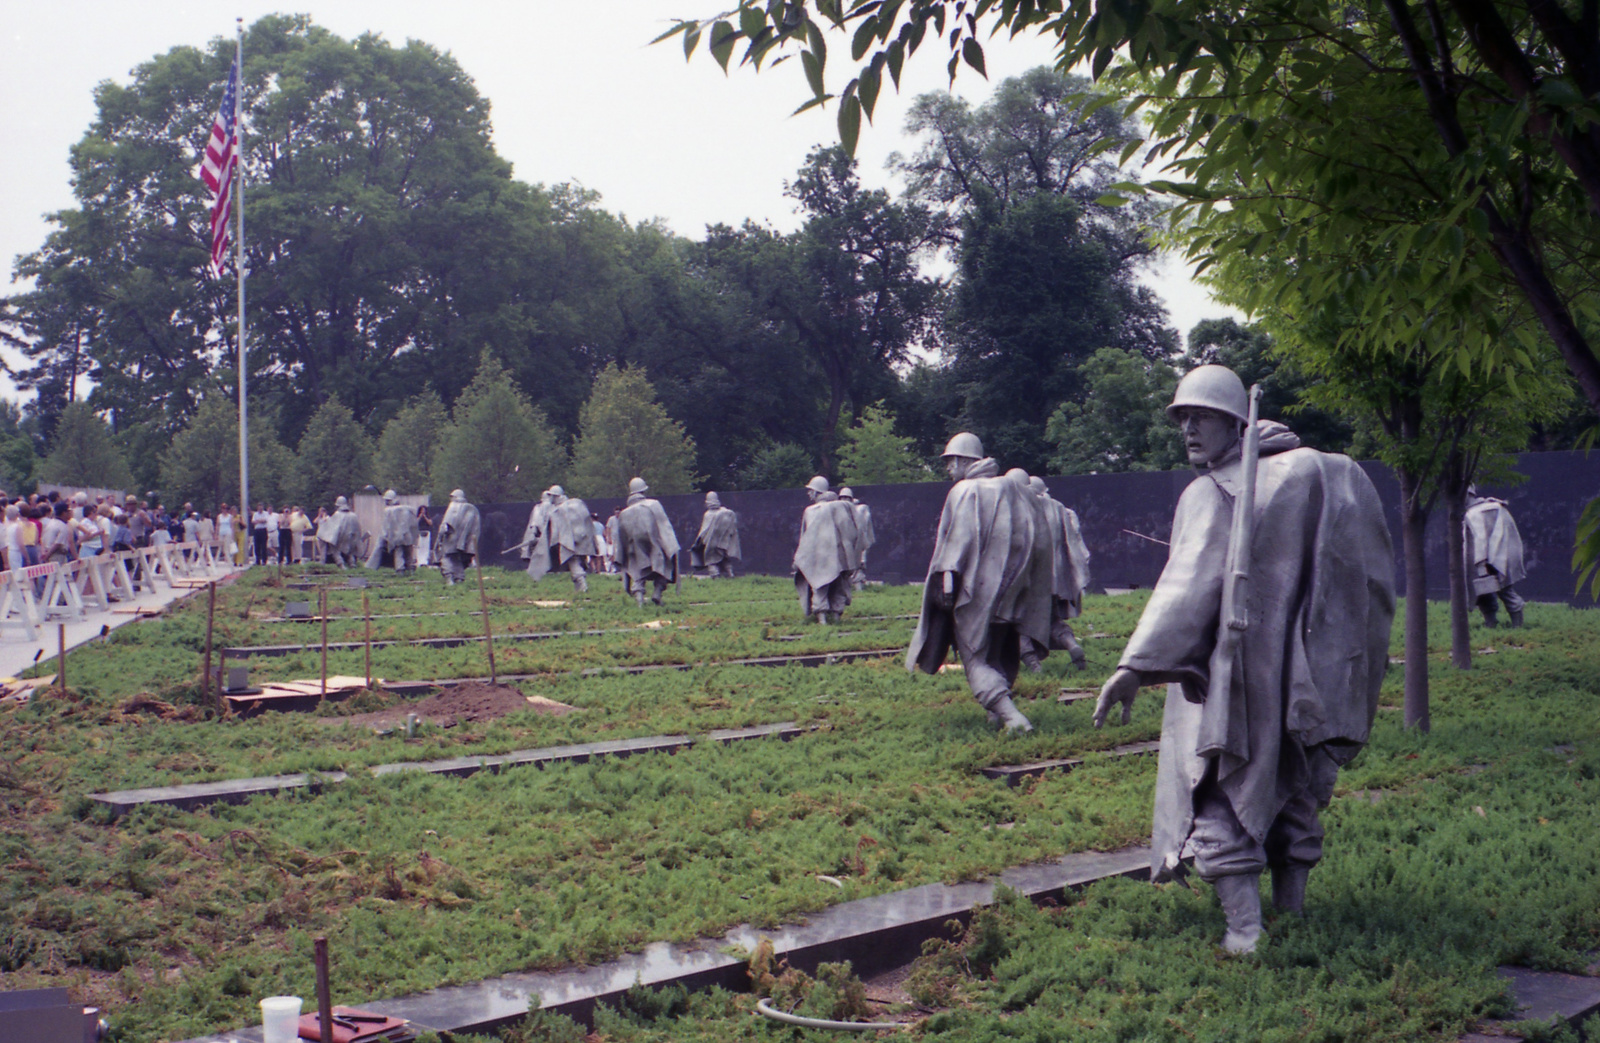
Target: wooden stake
<point>324,994</point>
<point>323,611</point>
<point>488,634</point>
<point>61,657</point>
<point>366,611</point>
<point>205,676</point>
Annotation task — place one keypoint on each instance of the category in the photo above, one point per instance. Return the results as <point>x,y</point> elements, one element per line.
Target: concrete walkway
<point>17,655</point>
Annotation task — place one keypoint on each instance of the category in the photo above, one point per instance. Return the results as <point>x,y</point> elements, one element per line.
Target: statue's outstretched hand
<point>1122,688</point>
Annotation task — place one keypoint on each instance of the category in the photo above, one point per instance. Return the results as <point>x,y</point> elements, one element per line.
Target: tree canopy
<point>624,433</point>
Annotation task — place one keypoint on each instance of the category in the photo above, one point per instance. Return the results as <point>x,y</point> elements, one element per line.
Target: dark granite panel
<point>1117,511</point>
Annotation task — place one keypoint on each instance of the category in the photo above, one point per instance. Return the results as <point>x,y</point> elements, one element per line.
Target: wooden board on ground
<point>138,610</point>
<point>194,581</point>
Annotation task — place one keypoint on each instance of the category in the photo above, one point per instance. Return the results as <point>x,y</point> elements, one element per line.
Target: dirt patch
<point>473,701</point>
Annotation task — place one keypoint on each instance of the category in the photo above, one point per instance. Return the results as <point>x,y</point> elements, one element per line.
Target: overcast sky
<point>577,94</point>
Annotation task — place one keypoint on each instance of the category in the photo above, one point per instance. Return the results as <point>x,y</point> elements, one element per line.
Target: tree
<point>83,451</point>
<point>334,457</point>
<point>623,434</point>
<point>777,466</point>
<point>201,464</point>
<point>1502,93</point>
<point>19,463</point>
<point>1046,271</point>
<point>872,454</point>
<point>848,284</point>
<point>1121,423</point>
<point>408,444</point>
<point>385,241</point>
<point>498,448</point>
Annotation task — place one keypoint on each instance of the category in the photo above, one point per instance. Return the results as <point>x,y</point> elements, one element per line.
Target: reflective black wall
<point>1122,515</point>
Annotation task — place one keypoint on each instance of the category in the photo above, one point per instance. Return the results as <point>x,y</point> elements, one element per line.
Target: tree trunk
<point>1455,554</point>
<point>1413,524</point>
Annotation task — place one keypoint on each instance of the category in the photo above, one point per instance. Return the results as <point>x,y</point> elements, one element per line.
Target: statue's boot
<point>580,581</point>
<point>1490,620</point>
<point>1289,888</point>
<point>1010,719</point>
<point>1516,618</point>
<point>638,596</point>
<point>1030,657</point>
<point>1240,895</point>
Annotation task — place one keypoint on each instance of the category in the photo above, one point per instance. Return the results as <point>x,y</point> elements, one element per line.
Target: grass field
<point>1448,853</point>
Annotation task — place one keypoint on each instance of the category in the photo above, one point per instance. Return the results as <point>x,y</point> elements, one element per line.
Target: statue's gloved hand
<point>1122,688</point>
<point>945,587</point>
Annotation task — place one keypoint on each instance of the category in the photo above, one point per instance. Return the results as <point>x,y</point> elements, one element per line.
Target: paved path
<point>16,655</point>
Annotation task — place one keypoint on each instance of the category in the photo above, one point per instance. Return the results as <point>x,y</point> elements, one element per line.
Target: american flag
<point>217,169</point>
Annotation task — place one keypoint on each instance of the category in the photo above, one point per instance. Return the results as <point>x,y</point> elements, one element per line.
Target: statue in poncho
<point>988,585</point>
<point>865,537</point>
<point>340,532</point>
<point>559,537</point>
<point>647,548</point>
<point>716,547</point>
<point>399,538</point>
<point>1069,578</point>
<point>1493,557</point>
<point>1270,627</point>
<point>457,544</point>
<point>825,558</point>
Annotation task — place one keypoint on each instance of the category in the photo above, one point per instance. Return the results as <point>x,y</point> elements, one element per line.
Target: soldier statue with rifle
<point>1270,628</point>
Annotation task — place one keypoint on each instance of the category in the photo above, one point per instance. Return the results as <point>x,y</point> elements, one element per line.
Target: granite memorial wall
<point>1126,519</point>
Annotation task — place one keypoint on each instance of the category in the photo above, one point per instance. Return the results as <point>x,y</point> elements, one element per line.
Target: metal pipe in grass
<point>766,1009</point>
<point>366,612</point>
<point>488,635</point>
<point>323,612</point>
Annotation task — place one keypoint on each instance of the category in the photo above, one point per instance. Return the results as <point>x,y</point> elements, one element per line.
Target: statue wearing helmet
<point>1268,696</point>
<point>988,585</point>
<point>340,533</point>
<point>399,537</point>
<point>716,547</point>
<point>1069,578</point>
<point>865,537</point>
<point>825,557</point>
<point>559,537</point>
<point>647,547</point>
<point>457,545</point>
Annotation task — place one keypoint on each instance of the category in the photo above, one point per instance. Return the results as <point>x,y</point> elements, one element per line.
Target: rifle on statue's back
<point>1234,619</point>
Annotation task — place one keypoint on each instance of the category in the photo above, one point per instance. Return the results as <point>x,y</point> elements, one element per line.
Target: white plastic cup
<point>280,1019</point>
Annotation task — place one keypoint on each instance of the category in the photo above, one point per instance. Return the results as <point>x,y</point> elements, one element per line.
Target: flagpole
<point>238,268</point>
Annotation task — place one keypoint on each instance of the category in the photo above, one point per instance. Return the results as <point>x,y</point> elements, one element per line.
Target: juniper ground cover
<point>1448,853</point>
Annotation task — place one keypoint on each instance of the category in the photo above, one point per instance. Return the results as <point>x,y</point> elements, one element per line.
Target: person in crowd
<point>15,558</point>
<point>298,525</point>
<point>1270,687</point>
<point>205,528</point>
<point>612,535</point>
<point>56,542</point>
<point>272,535</point>
<point>285,535</point>
<point>32,519</point>
<point>602,551</point>
<point>121,532</point>
<point>424,535</point>
<point>258,533</point>
<point>825,557</point>
<point>319,548</point>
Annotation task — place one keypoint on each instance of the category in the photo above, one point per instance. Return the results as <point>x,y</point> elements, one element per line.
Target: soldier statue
<point>457,544</point>
<point>647,548</point>
<point>399,538</point>
<point>1069,578</point>
<point>1494,557</point>
<point>559,537</point>
<point>1270,628</point>
<point>716,547</point>
<point>988,585</point>
<point>825,558</point>
<point>865,537</point>
<point>340,533</point>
